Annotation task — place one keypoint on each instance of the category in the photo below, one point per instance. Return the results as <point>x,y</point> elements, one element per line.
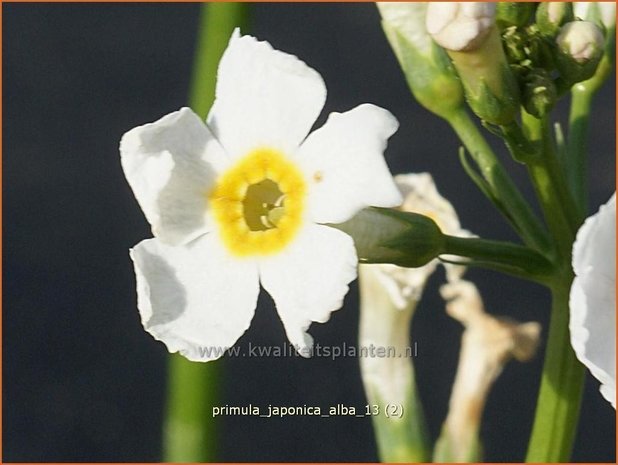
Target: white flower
<point>242,199</point>
<point>593,297</point>
<point>605,10</point>
<point>460,26</point>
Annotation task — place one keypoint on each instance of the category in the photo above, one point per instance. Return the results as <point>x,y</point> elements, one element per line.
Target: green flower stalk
<point>189,432</point>
<point>427,68</point>
<point>604,15</point>
<point>487,344</point>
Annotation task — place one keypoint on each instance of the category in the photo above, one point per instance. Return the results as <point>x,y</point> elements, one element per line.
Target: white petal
<point>194,298</point>
<point>264,97</point>
<point>460,25</point>
<point>171,165</point>
<point>404,286</point>
<point>592,326</point>
<point>408,18</point>
<point>593,298</point>
<point>344,164</point>
<point>309,280</point>
<point>595,244</point>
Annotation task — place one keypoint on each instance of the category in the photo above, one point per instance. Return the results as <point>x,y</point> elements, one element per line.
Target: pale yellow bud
<point>460,26</point>
<point>582,40</point>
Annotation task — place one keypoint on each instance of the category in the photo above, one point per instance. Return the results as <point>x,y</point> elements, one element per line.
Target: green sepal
<point>430,76</point>
<point>383,235</point>
<point>493,108</point>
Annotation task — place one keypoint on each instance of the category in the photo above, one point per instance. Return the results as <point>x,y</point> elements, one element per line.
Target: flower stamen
<point>258,203</point>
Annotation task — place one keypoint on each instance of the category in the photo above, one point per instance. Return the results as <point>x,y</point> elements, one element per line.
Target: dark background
<point>82,380</point>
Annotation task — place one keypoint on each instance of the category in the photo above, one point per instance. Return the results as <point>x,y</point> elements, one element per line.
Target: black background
<point>82,380</point>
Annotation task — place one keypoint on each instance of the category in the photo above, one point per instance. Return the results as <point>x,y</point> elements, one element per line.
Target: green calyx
<point>490,85</point>
<point>383,235</point>
<point>429,73</point>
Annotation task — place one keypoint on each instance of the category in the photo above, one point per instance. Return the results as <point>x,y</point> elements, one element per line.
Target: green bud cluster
<point>540,43</point>
<point>516,14</point>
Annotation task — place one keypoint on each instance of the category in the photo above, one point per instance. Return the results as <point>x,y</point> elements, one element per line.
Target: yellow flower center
<point>258,203</point>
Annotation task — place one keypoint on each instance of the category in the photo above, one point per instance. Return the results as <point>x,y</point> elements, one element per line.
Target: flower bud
<point>460,26</point>
<point>382,235</point>
<point>603,14</point>
<point>516,14</point>
<point>470,37</point>
<point>427,69</point>
<point>580,48</point>
<point>551,16</point>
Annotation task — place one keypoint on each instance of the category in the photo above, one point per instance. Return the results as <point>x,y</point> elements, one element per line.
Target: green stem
<point>557,413</point>
<point>514,259</point>
<point>554,196</point>
<point>217,21</point>
<point>516,209</point>
<point>562,380</point>
<point>581,101</point>
<point>190,434</point>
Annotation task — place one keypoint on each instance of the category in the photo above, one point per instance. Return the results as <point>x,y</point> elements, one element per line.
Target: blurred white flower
<point>606,12</point>
<point>487,345</point>
<point>389,293</point>
<point>409,19</point>
<point>460,26</point>
<point>242,199</point>
<point>389,296</point>
<point>593,297</point>
<point>420,196</point>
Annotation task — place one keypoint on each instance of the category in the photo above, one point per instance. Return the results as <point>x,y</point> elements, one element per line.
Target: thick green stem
<point>559,399</point>
<point>549,182</point>
<point>190,433</point>
<point>561,389</point>
<point>581,101</point>
<point>515,207</point>
<point>513,259</point>
<point>217,22</point>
